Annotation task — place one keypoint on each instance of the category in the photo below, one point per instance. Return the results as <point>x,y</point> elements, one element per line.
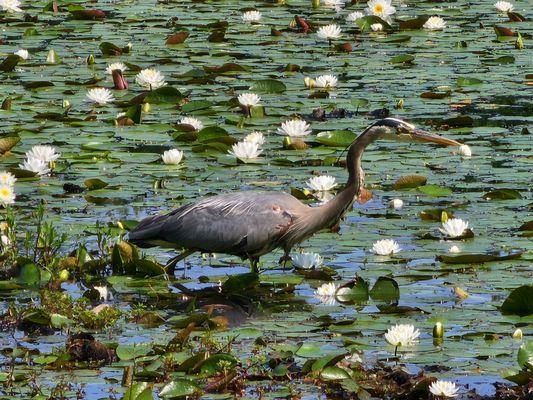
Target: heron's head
<point>398,130</point>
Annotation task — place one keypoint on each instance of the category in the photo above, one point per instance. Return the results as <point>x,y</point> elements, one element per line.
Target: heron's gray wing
<point>236,223</point>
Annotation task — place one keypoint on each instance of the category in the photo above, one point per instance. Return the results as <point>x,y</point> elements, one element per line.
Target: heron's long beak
<point>420,135</point>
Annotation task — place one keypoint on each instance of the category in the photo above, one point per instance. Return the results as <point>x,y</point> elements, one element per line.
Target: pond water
<point>464,82</point>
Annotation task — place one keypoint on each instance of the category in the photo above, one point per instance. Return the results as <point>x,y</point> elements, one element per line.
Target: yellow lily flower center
<point>378,8</point>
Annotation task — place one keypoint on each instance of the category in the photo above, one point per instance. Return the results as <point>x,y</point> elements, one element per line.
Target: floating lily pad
<point>472,258</point>
<point>519,302</point>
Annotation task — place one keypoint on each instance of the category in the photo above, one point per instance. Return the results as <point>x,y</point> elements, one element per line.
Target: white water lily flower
<point>249,99</point>
<point>255,137</point>
<point>353,358</point>
<point>251,16</point>
<point>7,179</point>
<point>386,247</point>
<point>43,153</point>
<point>36,165</point>
<point>321,183</point>
<point>444,389</point>
<point>150,78</point>
<point>194,122</point>
<point>376,27</point>
<point>245,150</point>
<point>454,249</point>
<point>435,24</point>
<point>380,8</point>
<point>5,241</point>
<point>104,292</point>
<point>397,204</point>
<point>354,16</point>
<point>10,5</point>
<point>326,81</point>
<point>326,293</point>
<point>329,32</point>
<point>114,66</point>
<point>172,157</point>
<point>336,4</point>
<point>323,197</point>
<point>22,53</point>
<point>306,260</point>
<point>294,128</point>
<point>503,6</point>
<point>454,227</point>
<point>326,290</point>
<point>7,195</point>
<point>465,150</point>
<point>402,335</point>
<point>100,96</point>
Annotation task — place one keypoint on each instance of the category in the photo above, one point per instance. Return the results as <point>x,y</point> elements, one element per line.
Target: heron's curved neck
<point>336,207</point>
<point>356,175</point>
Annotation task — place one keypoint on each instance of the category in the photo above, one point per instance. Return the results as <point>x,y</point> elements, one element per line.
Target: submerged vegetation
<point>112,111</point>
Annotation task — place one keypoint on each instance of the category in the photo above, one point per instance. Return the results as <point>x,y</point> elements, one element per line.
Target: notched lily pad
<point>95,184</point>
<point>177,38</point>
<point>165,94</point>
<point>340,138</point>
<point>519,302</point>
<point>435,190</point>
<point>367,21</point>
<point>9,63</point>
<point>476,258</point>
<point>87,14</point>
<point>410,181</point>
<point>8,142</point>
<point>268,86</point>
<point>385,289</point>
<point>402,59</point>
<point>502,194</point>
<point>414,23</point>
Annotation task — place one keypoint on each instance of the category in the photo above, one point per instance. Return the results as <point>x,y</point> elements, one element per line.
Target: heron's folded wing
<point>243,222</point>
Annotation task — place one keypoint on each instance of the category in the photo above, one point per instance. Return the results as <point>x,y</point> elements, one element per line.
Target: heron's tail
<point>146,234</point>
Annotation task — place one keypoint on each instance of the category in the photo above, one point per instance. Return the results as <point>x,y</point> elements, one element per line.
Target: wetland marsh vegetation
<point>115,110</point>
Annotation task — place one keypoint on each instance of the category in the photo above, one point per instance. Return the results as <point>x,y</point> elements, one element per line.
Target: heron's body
<point>250,224</point>
<point>246,224</point>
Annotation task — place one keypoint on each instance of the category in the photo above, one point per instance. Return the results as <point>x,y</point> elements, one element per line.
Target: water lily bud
<point>309,82</point>
<point>400,103</point>
<point>465,151</point>
<point>63,275</point>
<point>6,104</point>
<point>462,294</point>
<point>120,225</point>
<point>128,48</point>
<point>438,330</point>
<point>296,144</point>
<point>397,204</point>
<point>517,334</point>
<point>315,3</point>
<point>147,107</point>
<point>65,104</point>
<point>519,44</point>
<point>52,57</point>
<point>454,249</point>
<point>90,60</point>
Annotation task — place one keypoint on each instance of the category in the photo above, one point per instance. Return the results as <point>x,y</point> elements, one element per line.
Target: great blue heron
<point>249,224</point>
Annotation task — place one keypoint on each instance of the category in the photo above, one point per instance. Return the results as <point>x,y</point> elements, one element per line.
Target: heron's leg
<point>286,257</point>
<point>170,267</point>
<point>253,264</point>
